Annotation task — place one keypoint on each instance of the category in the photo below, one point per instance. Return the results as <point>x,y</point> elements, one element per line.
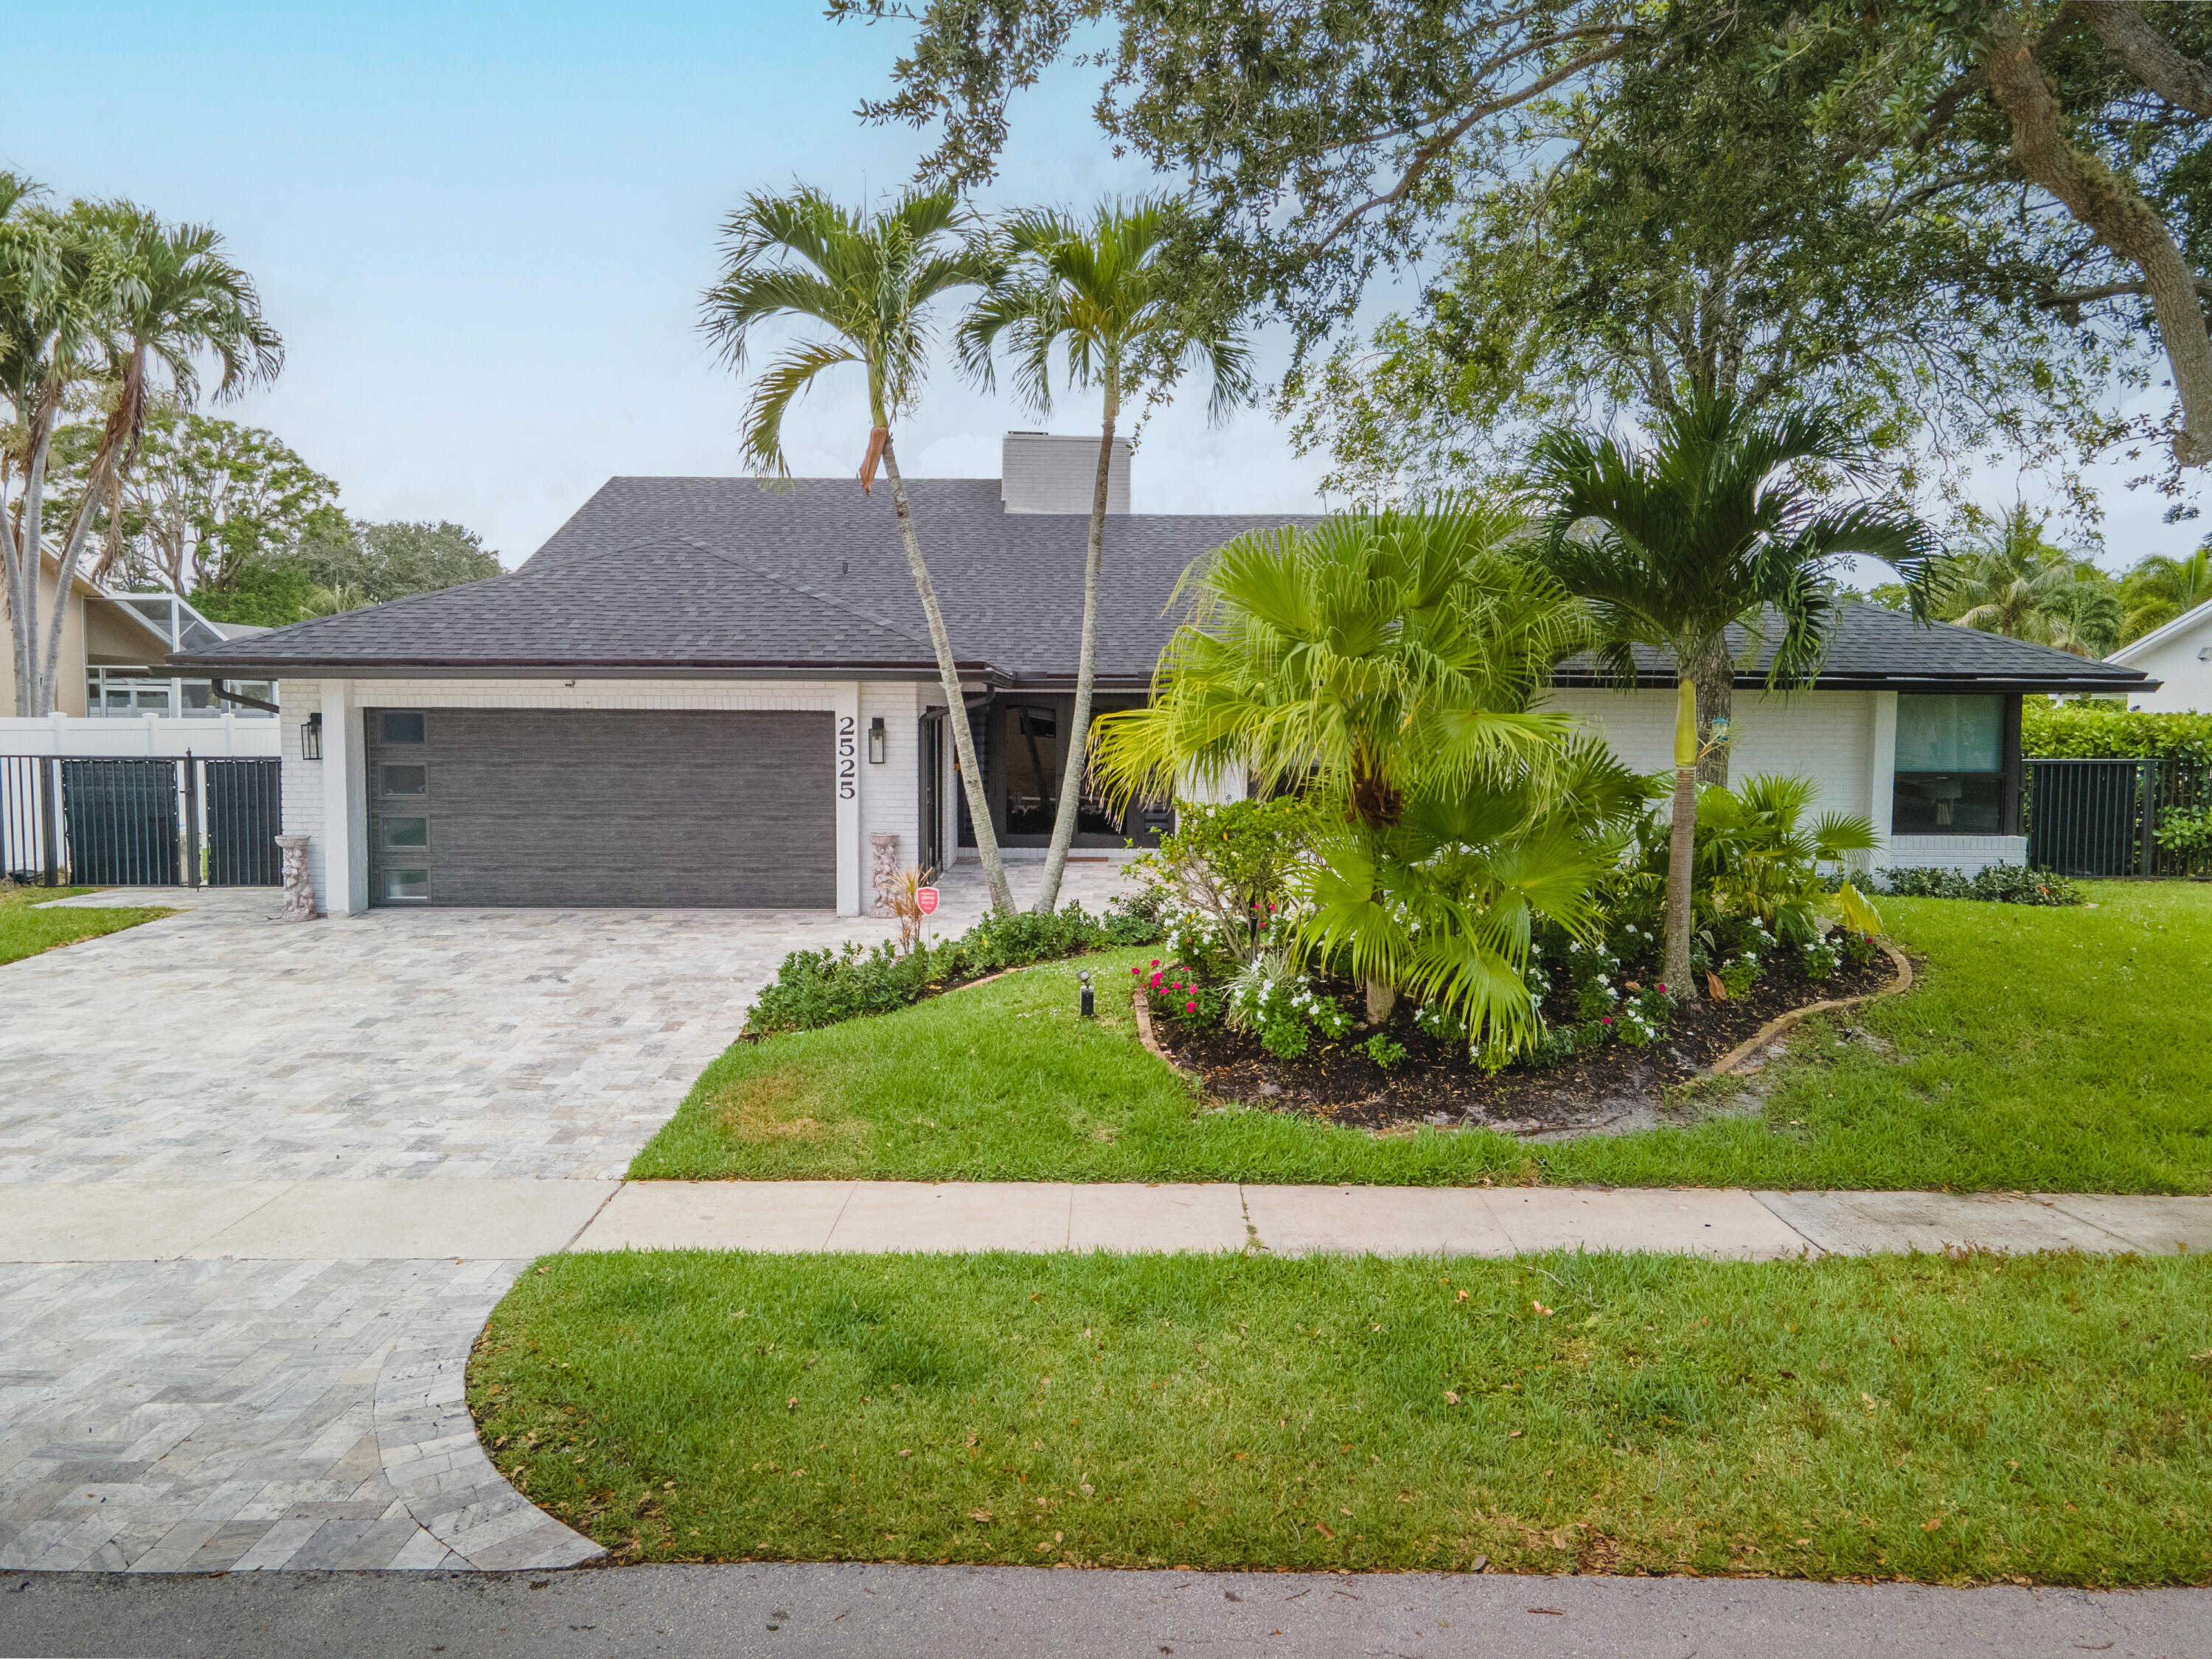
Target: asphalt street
<point>956,1613</point>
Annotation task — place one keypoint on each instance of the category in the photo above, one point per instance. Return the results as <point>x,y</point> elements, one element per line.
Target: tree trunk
<point>1715,672</point>
<point>956,706</point>
<point>2149,55</point>
<point>1079,726</point>
<point>1681,854</point>
<point>1380,1000</point>
<point>1682,842</point>
<point>2108,205</point>
<point>113,441</point>
<point>30,537</point>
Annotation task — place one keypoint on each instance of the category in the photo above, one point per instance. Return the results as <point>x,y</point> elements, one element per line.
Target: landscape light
<point>1089,1008</point>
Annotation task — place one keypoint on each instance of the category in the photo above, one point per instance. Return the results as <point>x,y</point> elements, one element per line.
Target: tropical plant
<point>2159,588</point>
<point>1757,855</point>
<point>1128,324</point>
<point>2013,580</point>
<point>105,302</point>
<point>1718,524</point>
<point>1383,666</point>
<point>868,280</point>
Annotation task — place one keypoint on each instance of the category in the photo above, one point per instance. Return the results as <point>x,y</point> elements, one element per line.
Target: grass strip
<point>1949,1419</point>
<point>26,931</point>
<point>2040,1050</point>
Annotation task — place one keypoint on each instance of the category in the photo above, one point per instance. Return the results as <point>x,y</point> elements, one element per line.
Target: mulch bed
<point>1615,1088</point>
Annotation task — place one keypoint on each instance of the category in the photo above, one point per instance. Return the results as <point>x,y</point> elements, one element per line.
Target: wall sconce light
<point>311,737</point>
<point>879,741</point>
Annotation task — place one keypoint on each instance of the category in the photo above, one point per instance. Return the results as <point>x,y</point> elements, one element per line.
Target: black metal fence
<point>2100,817</point>
<point>91,821</point>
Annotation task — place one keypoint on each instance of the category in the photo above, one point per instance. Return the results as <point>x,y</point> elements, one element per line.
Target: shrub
<point>2088,731</point>
<point>1998,883</point>
<point>814,988</point>
<point>2185,832</point>
<point>1823,956</point>
<point>1218,886</point>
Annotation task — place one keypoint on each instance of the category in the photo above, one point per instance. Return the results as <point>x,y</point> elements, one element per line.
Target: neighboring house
<point>115,650</point>
<point>701,692</point>
<point>2179,654</point>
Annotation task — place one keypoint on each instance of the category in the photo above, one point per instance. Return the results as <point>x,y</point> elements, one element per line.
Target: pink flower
<point>1190,1007</point>
<point>1136,970</point>
<point>1156,962</point>
<point>1605,1019</point>
<point>1662,988</point>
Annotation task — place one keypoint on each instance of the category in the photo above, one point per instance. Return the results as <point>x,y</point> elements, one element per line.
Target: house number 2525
<point>848,757</point>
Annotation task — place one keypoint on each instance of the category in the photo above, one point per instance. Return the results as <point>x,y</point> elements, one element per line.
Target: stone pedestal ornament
<point>884,844</point>
<point>298,886</point>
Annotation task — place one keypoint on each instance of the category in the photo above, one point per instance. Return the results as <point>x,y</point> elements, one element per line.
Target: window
<point>406,779</point>
<point>407,886</point>
<point>407,832</point>
<point>398,727</point>
<point>1032,737</point>
<point>1950,766</point>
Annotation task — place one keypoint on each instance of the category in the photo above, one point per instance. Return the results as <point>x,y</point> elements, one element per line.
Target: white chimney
<point>1041,472</point>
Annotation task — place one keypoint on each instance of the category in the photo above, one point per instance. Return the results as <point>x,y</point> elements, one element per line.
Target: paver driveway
<point>244,1168</point>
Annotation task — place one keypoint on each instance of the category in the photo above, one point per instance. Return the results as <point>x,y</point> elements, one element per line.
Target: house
<point>117,693</point>
<point>2179,655</point>
<point>702,691</point>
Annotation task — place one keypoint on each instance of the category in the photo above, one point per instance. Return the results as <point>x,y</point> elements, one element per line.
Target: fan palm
<point>1384,665</point>
<point>1103,293</point>
<point>868,280</point>
<point>1711,527</point>
<point>1756,850</point>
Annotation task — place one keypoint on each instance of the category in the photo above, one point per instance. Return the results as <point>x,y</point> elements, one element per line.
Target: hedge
<point>2089,731</point>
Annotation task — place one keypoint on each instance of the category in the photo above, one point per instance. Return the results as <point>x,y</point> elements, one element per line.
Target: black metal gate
<point>245,816</point>
<point>2092,818</point>
<point>97,821</point>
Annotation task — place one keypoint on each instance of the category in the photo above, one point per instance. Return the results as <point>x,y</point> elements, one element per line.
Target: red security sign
<point>924,900</point>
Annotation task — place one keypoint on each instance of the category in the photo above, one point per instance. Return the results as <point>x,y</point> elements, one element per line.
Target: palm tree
<point>1384,667</point>
<point>867,280</point>
<point>1103,292</point>
<point>1710,527</point>
<point>2015,581</point>
<point>183,300</point>
<point>2160,588</point>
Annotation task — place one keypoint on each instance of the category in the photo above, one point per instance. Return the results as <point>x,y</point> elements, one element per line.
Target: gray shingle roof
<point>693,575</point>
<point>1873,646</point>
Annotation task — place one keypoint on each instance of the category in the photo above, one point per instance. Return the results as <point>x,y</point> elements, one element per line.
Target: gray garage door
<point>601,807</point>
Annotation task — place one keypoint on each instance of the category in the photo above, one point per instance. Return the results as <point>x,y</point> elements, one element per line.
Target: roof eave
<point>567,668</point>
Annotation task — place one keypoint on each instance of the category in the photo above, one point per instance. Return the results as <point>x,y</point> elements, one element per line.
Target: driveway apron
<point>268,1179</point>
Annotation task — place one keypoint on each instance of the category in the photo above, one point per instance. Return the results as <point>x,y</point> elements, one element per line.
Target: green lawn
<point>25,932</point>
<point>1951,1419</point>
<point>2052,1049</point>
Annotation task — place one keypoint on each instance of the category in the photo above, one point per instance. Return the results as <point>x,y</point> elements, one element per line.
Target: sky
<point>483,230</point>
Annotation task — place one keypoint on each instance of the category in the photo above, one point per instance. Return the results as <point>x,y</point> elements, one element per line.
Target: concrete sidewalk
<point>516,1219</point>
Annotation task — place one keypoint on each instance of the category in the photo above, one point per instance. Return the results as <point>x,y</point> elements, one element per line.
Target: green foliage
<point>1998,884</point>
<point>2013,580</point>
<point>2186,831</point>
<point>865,279</point>
<point>265,594</point>
<point>1386,1053</point>
<point>1220,884</point>
<point>1756,853</point>
<point>373,562</point>
<point>2087,731</point>
<point>815,988</point>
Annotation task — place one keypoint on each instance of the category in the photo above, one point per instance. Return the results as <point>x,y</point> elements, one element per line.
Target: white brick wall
<point>301,795</point>
<point>1968,855</point>
<point>890,794</point>
<point>1827,736</point>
